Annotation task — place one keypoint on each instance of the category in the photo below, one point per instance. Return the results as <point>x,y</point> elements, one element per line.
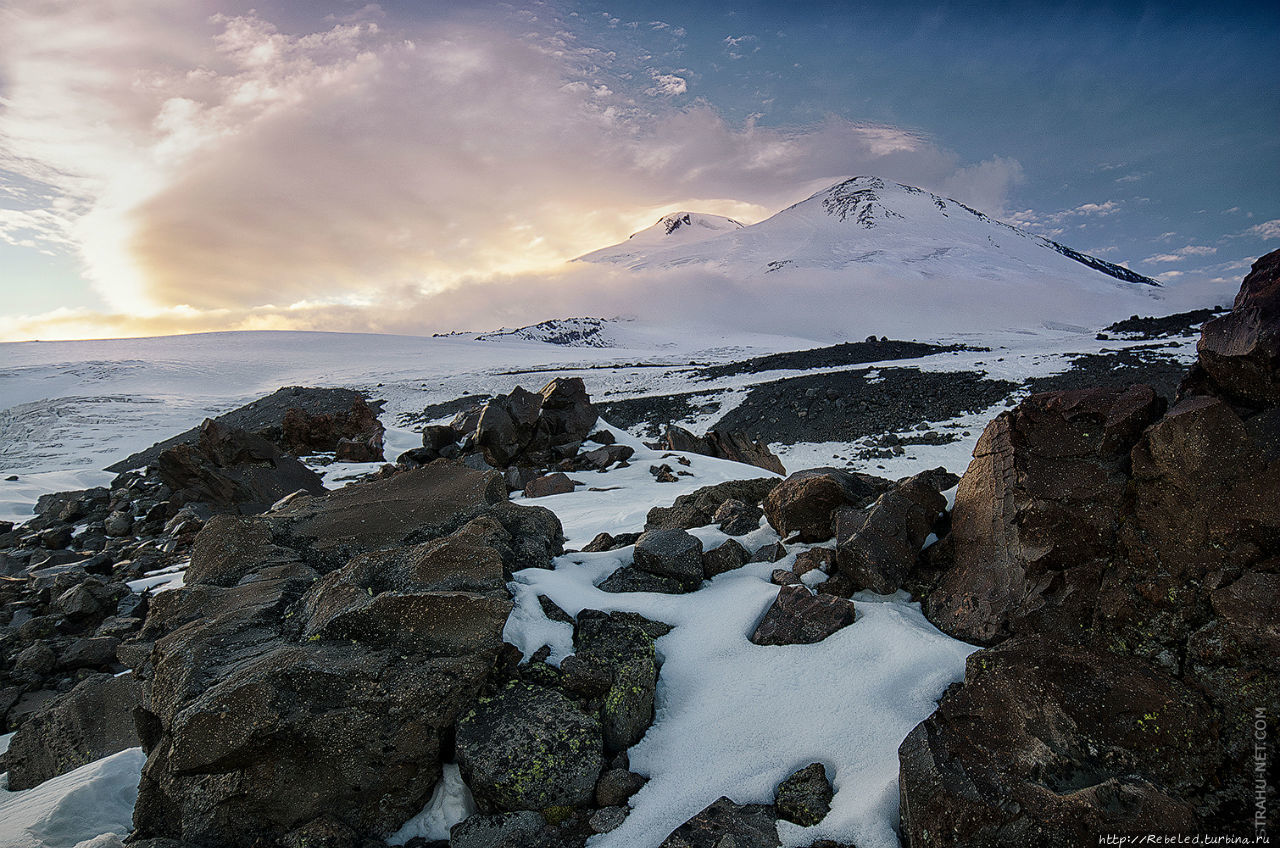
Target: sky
<point>415,165</point>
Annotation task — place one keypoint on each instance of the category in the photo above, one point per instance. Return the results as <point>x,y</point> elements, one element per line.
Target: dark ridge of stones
<point>698,508</point>
<point>1152,366</point>
<point>444,409</point>
<point>734,446</point>
<point>848,353</point>
<point>847,405</point>
<point>264,417</point>
<point>1152,327</point>
<point>657,411</point>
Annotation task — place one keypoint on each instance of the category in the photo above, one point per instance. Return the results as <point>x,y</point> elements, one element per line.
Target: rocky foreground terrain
<point>303,667</point>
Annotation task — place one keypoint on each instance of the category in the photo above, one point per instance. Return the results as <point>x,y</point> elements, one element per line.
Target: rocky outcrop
<point>1036,514</point>
<point>722,444</point>
<point>354,434</point>
<point>1051,745</point>
<point>699,508</point>
<point>233,471</point>
<point>524,428</point>
<point>326,684</point>
<point>1125,563</point>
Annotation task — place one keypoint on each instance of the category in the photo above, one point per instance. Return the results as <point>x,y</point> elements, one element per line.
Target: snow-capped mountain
<point>864,225</point>
<point>569,332</point>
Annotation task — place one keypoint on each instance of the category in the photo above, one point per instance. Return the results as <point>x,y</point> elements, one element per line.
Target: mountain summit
<point>863,225</point>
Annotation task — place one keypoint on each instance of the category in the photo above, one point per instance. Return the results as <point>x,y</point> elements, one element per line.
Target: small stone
<point>804,798</point>
<point>606,819</point>
<point>728,557</point>
<point>616,786</point>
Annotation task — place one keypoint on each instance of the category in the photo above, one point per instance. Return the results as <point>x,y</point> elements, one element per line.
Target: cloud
<point>736,47</point>
<point>224,167</point>
<point>1268,230</point>
<point>1182,253</point>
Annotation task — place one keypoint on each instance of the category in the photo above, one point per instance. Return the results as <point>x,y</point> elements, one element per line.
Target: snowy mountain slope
<point>866,225</point>
<point>569,332</point>
<point>679,229</point>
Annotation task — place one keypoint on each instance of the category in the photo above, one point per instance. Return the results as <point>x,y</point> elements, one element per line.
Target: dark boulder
<point>670,553</point>
<point>92,721</point>
<point>876,548</point>
<point>229,547</point>
<point>549,484</point>
<point>799,617</point>
<point>1053,745</point>
<point>1239,353</point>
<point>523,428</point>
<point>529,747</point>
<point>804,504</point>
<point>736,518</point>
<point>723,444</point>
<point>1035,518</point>
<point>233,471</point>
<point>355,433</point>
<point>698,508</point>
<point>804,798</point>
<point>724,824</point>
<point>727,557</point>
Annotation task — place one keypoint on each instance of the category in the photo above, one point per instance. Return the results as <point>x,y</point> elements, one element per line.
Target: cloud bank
<point>213,169</point>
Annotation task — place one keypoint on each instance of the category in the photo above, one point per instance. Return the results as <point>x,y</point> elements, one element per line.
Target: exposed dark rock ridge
<point>1124,562</point>
<point>340,413</point>
<point>847,353</point>
<point>1159,327</point>
<point>722,444</point>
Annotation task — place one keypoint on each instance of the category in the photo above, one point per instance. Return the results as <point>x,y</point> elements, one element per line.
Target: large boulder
<point>524,428</point>
<point>233,471</point>
<point>92,721</point>
<point>354,433</point>
<point>876,548</point>
<point>804,504</point>
<point>1239,353</point>
<point>1051,745</point>
<point>799,617</point>
<point>724,824</point>
<point>670,553</point>
<point>529,747</point>
<point>699,508</point>
<point>1035,518</point>
<point>723,444</point>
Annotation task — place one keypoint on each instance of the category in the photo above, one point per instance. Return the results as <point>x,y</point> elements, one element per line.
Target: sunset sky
<point>412,166</point>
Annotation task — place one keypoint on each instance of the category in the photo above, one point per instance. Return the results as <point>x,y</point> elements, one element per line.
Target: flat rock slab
<point>799,617</point>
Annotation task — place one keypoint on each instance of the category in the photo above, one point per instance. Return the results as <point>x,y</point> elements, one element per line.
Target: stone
<point>37,660</point>
<point>631,579</point>
<point>821,559</point>
<point>616,786</point>
<point>769,553</point>
<point>529,748</point>
<point>96,652</point>
<point>118,524</point>
<point>1239,353</point>
<point>92,721</point>
<point>785,577</point>
<point>804,798</point>
<point>523,428</point>
<point>804,503</point>
<point>504,830</point>
<point>697,508</point>
<point>798,617</point>
<point>618,649</point>
<point>724,824</point>
<point>549,484</point>
<point>1047,744</point>
<point>601,542</point>
<point>79,602</point>
<point>354,434</point>
<point>728,556</point>
<point>228,547</point>
<point>1035,517</point>
<point>607,819</point>
<point>877,547</point>
<point>734,445</point>
<point>670,553</point>
<point>737,518</point>
<point>233,471</point>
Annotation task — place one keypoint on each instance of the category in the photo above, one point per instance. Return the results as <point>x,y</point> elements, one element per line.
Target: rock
<point>1047,744</point>
<point>529,748</point>
<point>92,721</point>
<point>670,553</point>
<point>736,518</point>
<point>233,471</point>
<point>1240,352</point>
<point>601,458</point>
<point>697,508</point>
<point>728,556</point>
<point>804,798</point>
<point>354,434</point>
<point>324,832</point>
<point>725,824</point>
<point>607,819</point>
<point>118,524</point>
<point>523,428</point>
<point>97,652</point>
<point>549,484</point>
<point>804,503</point>
<point>631,579</point>
<point>602,542</point>
<point>663,474</point>
<point>798,617</point>
<point>822,559</point>
<point>769,553</point>
<point>616,786</point>
<point>79,602</point>
<point>505,830</point>
<point>785,577</point>
<point>619,649</point>
<point>265,417</point>
<point>877,547</point>
<point>228,547</point>
<point>1035,517</point>
<point>36,661</point>
<point>732,445</point>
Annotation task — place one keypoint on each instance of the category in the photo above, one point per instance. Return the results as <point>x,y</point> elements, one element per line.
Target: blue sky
<point>286,164</point>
